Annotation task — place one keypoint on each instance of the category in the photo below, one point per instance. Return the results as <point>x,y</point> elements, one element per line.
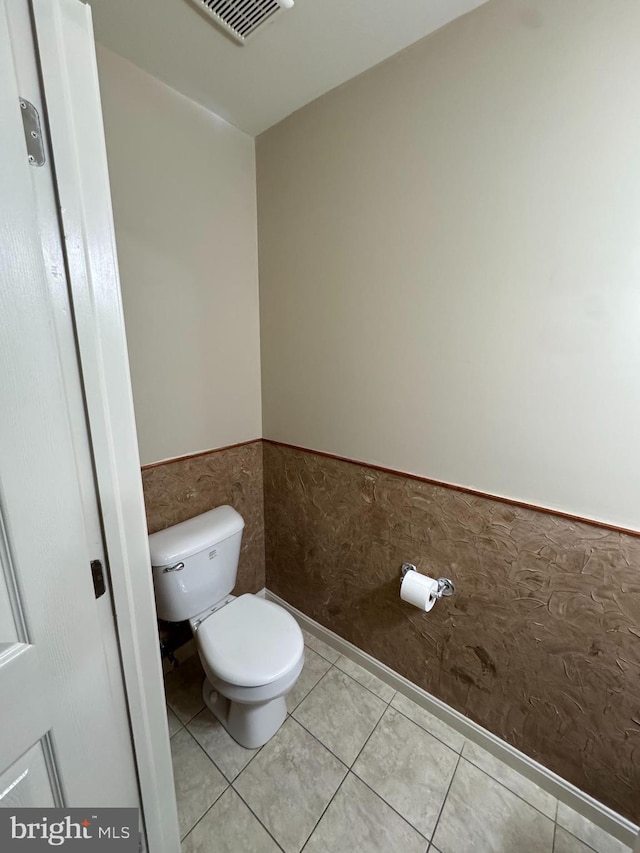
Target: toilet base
<point>250,725</point>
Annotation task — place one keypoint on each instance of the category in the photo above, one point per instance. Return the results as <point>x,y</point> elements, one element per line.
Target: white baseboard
<point>588,806</point>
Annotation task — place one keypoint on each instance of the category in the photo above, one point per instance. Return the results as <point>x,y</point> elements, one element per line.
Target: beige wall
<point>449,260</point>
<point>183,189</point>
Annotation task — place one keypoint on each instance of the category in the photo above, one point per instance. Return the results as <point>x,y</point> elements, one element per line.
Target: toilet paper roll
<point>419,590</point>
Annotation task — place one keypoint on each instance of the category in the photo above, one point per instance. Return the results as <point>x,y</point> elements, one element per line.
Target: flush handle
<point>177,568</point>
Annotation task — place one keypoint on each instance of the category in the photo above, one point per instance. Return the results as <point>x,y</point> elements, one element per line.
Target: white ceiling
<point>300,55</point>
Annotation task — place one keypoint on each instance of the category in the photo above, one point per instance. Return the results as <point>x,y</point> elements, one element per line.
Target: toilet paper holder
<point>445,586</point>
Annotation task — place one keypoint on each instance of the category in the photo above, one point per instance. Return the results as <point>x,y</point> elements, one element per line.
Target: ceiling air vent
<point>242,18</point>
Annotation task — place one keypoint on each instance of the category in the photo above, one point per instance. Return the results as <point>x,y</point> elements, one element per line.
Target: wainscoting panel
<point>177,490</point>
<point>541,642</point>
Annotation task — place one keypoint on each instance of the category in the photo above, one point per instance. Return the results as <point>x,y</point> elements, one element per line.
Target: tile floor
<point>355,767</point>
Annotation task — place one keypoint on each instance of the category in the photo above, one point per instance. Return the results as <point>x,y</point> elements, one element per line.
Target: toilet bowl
<point>251,650</point>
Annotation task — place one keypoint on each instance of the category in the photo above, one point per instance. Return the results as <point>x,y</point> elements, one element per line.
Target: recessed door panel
<point>27,783</point>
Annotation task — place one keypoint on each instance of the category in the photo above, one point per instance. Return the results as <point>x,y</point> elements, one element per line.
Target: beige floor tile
<point>429,722</point>
<point>229,827</point>
<point>588,832</point>
<point>567,843</point>
<point>340,713</point>
<point>358,820</point>
<point>364,677</point>
<point>173,722</point>
<point>183,688</point>
<point>320,647</point>
<point>511,779</point>
<point>228,755</point>
<point>408,768</point>
<point>290,783</point>
<point>198,782</point>
<point>314,668</point>
<point>481,815</point>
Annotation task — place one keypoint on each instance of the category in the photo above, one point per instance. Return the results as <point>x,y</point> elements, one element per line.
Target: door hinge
<point>97,574</point>
<point>32,133</point>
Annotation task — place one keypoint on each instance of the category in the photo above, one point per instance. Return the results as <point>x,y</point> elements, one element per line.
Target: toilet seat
<point>250,642</point>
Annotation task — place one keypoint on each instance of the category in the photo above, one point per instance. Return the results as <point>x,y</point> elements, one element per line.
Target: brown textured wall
<point>178,490</point>
<point>541,642</point>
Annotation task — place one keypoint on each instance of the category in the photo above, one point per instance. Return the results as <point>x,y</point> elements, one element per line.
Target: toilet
<point>251,650</point>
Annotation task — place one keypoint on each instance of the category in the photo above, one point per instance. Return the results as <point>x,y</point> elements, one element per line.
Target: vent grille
<point>241,18</point>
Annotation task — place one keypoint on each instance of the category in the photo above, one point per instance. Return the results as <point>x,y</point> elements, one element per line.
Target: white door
<point>64,732</point>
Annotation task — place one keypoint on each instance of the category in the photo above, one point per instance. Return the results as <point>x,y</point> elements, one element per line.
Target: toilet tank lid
<point>194,535</point>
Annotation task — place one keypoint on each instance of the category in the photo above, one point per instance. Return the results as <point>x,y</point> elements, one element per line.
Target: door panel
<point>62,715</point>
<point>46,204</point>
<point>26,783</point>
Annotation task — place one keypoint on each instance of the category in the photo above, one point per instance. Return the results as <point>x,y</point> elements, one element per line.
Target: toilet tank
<point>195,563</point>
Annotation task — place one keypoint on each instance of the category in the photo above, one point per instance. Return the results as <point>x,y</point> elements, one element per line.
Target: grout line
<point>200,819</point>
<point>323,745</point>
<point>279,846</point>
<point>318,741</point>
<point>377,695</point>
<point>184,725</point>
<point>306,696</point>
<point>511,791</point>
<point>349,766</point>
<point>308,645</point>
<point>254,756</point>
<point>553,841</point>
<point>370,736</point>
<point>191,719</point>
<point>312,687</point>
<point>324,810</point>
<point>227,780</point>
<point>230,784</point>
<point>568,831</point>
<point>443,742</point>
<point>201,747</point>
<point>219,769</point>
<point>393,808</point>
<point>226,788</point>
<point>355,680</point>
<point>388,704</point>
<point>584,843</point>
<point>453,776</point>
<point>316,738</point>
<point>173,734</point>
<point>332,662</point>
<point>408,822</point>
